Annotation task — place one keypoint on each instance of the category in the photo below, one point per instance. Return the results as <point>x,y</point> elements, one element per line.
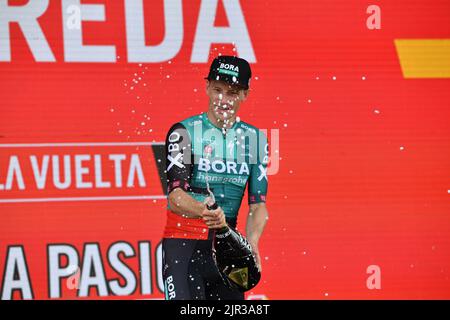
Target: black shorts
<point>190,273</point>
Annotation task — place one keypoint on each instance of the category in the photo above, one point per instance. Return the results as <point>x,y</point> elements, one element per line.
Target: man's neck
<point>218,123</point>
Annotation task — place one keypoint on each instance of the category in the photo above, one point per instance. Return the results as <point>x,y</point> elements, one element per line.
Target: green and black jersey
<point>197,151</point>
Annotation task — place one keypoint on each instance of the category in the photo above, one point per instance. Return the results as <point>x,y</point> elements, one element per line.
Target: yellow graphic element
<point>257,297</point>
<point>424,58</point>
<point>240,276</point>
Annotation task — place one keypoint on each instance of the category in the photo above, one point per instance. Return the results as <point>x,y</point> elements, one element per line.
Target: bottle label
<point>223,235</point>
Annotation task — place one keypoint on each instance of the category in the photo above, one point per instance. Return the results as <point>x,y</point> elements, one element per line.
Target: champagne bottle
<point>234,258</point>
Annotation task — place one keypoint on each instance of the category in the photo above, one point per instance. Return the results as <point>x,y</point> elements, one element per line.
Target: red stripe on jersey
<point>185,228</point>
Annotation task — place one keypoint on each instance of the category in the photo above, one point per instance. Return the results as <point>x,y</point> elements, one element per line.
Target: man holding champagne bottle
<point>211,158</point>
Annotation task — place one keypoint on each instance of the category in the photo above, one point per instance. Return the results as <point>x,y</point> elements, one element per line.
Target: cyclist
<point>212,157</point>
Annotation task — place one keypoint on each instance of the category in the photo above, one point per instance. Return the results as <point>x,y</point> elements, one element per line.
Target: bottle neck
<point>222,230</point>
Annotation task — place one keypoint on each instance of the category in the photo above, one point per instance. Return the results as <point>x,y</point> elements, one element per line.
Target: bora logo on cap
<point>227,68</point>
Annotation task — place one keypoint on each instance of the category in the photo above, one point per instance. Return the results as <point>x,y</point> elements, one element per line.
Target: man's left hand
<point>257,257</point>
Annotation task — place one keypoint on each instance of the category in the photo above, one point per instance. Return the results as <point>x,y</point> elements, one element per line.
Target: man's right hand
<point>214,219</point>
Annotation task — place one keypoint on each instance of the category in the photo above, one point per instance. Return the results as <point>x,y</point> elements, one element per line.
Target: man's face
<point>224,99</point>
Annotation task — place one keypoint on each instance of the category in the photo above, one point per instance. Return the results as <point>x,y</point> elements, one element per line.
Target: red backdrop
<point>364,148</point>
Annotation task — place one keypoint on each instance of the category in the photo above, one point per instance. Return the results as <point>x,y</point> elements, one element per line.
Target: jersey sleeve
<point>178,155</point>
<point>257,184</point>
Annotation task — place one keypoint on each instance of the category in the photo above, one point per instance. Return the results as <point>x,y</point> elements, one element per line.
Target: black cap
<point>233,70</point>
